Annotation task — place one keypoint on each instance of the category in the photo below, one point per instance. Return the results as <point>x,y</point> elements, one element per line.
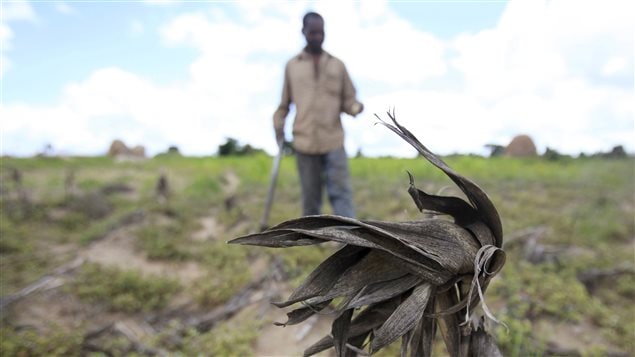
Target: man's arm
<point>279,117</point>
<point>350,104</point>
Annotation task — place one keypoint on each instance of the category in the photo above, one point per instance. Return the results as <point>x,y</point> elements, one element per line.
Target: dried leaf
<point>404,319</point>
<point>299,315</point>
<point>371,269</point>
<point>448,245</point>
<point>277,239</point>
<point>326,274</point>
<point>362,324</point>
<point>406,274</point>
<point>421,343</point>
<point>483,345</point>
<point>475,194</point>
<point>339,331</point>
<point>449,325</point>
<point>460,210</point>
<point>384,290</point>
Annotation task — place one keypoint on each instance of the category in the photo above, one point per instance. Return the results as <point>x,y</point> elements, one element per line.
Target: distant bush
<point>617,152</point>
<point>232,148</point>
<point>553,154</point>
<point>495,150</point>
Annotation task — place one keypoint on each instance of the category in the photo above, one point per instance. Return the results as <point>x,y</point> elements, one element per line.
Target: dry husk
<point>395,280</point>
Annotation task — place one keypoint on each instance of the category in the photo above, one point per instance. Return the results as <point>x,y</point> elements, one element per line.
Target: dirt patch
<point>117,249</point>
<point>230,182</point>
<point>581,336</point>
<point>291,340</point>
<point>53,309</point>
<point>210,230</point>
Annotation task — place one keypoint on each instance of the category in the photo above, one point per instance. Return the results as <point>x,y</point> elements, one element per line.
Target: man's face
<point>314,34</point>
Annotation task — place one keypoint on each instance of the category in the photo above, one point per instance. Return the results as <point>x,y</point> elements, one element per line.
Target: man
<point>319,85</point>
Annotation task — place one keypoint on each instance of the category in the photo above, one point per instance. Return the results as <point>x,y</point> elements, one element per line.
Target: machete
<point>272,187</point>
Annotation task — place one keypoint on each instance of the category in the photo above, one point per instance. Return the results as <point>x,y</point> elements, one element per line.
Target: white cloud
<point>136,28</point>
<point>162,2</point>
<point>13,11</point>
<point>554,70</point>
<point>525,77</point>
<point>228,38</point>
<point>615,65</point>
<point>378,45</point>
<point>115,104</point>
<point>5,38</point>
<point>18,10</point>
<point>64,8</point>
<point>537,73</point>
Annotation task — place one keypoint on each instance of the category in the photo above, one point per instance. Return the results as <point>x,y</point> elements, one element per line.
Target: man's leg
<point>310,172</point>
<point>338,183</point>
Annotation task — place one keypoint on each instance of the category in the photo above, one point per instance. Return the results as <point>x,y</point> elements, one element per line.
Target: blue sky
<point>460,74</point>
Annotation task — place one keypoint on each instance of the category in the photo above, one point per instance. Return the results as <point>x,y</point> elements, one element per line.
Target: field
<point>95,259</point>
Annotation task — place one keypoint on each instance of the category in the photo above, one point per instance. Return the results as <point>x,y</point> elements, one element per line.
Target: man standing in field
<point>319,85</point>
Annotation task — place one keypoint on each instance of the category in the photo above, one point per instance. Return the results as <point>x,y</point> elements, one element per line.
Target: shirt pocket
<point>333,83</point>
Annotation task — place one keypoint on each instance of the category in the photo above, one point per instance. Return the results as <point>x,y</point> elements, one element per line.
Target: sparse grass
<point>162,242</point>
<point>228,273</point>
<point>586,203</point>
<point>126,291</point>
<point>224,340</point>
<point>535,291</point>
<point>227,339</point>
<point>29,342</point>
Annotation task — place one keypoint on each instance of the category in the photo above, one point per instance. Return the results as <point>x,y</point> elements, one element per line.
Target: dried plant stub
<point>403,280</point>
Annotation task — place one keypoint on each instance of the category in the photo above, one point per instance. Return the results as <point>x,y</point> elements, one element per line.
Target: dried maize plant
<point>400,280</point>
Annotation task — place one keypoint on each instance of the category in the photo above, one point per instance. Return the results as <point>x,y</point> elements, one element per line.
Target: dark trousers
<point>328,170</point>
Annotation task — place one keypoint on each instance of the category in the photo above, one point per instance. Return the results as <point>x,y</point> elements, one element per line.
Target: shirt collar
<point>304,55</point>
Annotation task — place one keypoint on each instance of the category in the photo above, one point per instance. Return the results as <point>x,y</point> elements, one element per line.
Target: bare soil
<point>52,307</point>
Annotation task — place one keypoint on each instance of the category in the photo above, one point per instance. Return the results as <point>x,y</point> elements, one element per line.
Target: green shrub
<point>228,273</point>
<point>533,291</point>
<point>161,242</point>
<point>224,340</point>
<point>233,338</point>
<point>125,291</point>
<point>518,340</point>
<point>73,221</point>
<point>10,240</point>
<point>56,342</point>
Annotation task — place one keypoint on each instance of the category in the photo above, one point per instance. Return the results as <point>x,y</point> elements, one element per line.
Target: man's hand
<point>357,108</point>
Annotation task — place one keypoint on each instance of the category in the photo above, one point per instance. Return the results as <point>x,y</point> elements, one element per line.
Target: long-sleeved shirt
<point>320,91</point>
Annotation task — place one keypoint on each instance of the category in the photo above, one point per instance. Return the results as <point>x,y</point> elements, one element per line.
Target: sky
<point>459,74</point>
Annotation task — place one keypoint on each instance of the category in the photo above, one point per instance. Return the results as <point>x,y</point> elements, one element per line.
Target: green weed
<point>228,273</point>
<point>586,203</point>
<point>162,242</point>
<point>28,342</point>
<point>226,339</point>
<point>223,341</point>
<point>126,291</point>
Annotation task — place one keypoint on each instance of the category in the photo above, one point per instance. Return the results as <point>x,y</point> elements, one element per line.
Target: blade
<point>272,187</point>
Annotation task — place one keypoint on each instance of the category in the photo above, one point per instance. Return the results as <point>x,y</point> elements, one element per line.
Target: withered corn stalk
<point>404,279</point>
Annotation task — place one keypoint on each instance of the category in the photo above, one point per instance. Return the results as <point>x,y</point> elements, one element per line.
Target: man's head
<point>313,31</point>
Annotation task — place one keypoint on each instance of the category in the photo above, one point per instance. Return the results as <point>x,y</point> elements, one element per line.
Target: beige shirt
<point>320,94</point>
